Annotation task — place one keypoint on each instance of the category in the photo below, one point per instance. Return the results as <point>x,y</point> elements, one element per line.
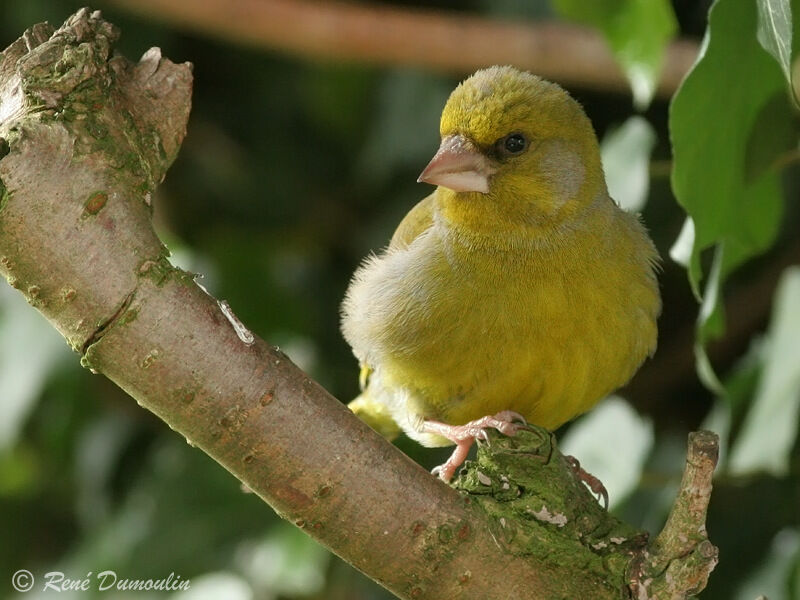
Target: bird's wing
<point>374,413</point>
<point>413,224</point>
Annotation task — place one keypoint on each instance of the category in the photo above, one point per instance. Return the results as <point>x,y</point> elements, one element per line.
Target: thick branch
<point>84,139</point>
<point>573,56</point>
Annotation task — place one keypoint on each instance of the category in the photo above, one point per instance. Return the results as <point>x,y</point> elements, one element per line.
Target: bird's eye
<point>514,143</point>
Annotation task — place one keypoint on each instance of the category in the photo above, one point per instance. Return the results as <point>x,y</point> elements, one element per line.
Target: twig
<point>333,30</point>
<point>678,562</point>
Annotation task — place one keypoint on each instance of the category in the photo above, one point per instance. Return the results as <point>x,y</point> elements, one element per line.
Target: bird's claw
<point>593,483</point>
<point>463,436</point>
<point>510,416</point>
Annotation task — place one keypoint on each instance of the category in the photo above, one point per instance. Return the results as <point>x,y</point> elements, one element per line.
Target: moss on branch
<point>537,507</point>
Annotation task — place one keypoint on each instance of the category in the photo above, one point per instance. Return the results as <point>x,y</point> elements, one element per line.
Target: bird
<point>518,291</point>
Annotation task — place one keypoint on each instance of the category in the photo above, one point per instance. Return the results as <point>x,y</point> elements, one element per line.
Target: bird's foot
<point>592,482</point>
<point>463,436</point>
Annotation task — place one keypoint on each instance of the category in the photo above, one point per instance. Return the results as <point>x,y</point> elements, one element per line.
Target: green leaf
<point>770,428</point>
<point>724,121</point>
<point>626,162</point>
<point>617,460</point>
<point>775,32</point>
<point>638,32</point>
<point>773,136</point>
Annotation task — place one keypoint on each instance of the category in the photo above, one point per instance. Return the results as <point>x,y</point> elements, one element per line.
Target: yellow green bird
<point>517,285</point>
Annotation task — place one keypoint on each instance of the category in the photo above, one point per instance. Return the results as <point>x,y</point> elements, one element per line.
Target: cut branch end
<point>680,559</point>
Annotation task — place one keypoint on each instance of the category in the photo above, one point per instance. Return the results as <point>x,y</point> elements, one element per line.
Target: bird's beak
<point>459,166</point>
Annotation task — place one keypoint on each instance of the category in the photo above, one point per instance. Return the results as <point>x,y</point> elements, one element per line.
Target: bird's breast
<point>467,330</point>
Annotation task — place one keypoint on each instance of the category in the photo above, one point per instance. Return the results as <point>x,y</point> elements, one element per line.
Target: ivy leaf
<point>723,171</point>
<point>775,32</point>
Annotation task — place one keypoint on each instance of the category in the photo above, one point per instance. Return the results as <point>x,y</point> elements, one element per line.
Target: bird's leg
<point>463,436</point>
<point>592,482</point>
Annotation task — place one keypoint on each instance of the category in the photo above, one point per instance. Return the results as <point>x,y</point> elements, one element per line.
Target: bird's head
<point>517,152</point>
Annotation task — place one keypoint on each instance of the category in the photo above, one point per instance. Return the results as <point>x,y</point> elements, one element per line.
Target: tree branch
<point>85,137</point>
<point>681,558</point>
<point>331,30</point>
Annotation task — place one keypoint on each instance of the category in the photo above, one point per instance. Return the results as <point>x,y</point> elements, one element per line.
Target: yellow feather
<point>538,296</point>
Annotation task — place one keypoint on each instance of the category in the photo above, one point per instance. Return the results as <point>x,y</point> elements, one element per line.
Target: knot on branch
<point>54,66</point>
<point>70,76</point>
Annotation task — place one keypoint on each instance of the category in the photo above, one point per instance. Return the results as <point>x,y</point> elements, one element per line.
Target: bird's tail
<point>374,414</point>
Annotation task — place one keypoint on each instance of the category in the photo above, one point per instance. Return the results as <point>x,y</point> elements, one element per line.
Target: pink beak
<point>459,166</point>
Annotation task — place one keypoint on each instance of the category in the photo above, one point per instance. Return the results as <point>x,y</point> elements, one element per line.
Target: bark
<point>85,137</point>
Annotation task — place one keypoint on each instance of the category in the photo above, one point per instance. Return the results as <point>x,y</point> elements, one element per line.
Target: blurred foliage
<point>596,440</point>
<point>776,401</point>
<point>293,170</point>
<point>638,32</point>
<point>626,162</point>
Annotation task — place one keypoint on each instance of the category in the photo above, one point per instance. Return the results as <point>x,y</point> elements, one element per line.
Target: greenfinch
<point>518,288</point>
